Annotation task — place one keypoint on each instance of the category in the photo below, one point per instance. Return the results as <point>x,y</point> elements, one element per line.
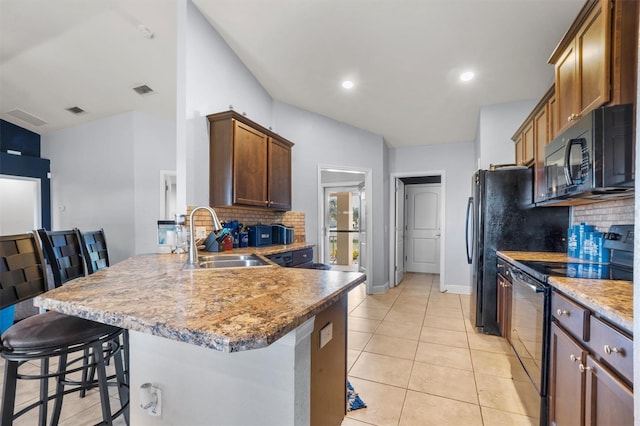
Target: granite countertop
<point>228,310</point>
<point>611,299</point>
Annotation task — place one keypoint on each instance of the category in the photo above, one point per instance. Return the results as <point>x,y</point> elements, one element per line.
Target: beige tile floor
<point>76,411</point>
<point>415,359</point>
<point>412,356</point>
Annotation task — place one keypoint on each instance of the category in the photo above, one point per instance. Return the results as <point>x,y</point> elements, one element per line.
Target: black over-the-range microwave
<point>594,158</point>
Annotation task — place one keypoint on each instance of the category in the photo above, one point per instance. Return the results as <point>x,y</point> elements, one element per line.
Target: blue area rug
<point>353,400</point>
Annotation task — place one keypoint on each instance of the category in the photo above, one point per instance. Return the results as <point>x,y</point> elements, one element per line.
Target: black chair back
<point>94,249</point>
<point>62,249</point>
<point>22,271</point>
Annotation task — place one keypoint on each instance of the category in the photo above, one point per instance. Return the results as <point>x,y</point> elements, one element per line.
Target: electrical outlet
<point>326,334</point>
<point>156,409</point>
<point>201,232</point>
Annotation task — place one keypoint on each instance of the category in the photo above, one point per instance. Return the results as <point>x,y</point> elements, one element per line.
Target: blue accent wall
<point>29,164</point>
<point>16,138</point>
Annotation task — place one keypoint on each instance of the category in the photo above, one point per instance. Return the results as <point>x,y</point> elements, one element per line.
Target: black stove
<point>542,270</point>
<point>619,239</point>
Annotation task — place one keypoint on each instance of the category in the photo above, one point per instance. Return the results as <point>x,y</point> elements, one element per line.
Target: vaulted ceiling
<point>404,57</point>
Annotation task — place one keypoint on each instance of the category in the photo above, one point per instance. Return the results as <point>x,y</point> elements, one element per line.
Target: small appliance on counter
<point>281,234</point>
<point>259,235</point>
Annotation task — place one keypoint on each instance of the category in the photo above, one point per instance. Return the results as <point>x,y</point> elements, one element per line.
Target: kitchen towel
<point>353,399</point>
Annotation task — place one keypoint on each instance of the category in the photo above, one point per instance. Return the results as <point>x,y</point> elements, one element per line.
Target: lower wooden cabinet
<point>566,381</point>
<point>583,390</point>
<point>608,400</point>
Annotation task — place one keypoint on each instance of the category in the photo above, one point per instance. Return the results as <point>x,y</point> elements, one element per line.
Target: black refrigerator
<point>501,216</point>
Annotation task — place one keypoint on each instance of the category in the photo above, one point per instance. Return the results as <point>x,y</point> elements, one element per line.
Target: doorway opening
<point>342,224</point>
<point>20,204</point>
<point>344,217</point>
<point>417,219</point>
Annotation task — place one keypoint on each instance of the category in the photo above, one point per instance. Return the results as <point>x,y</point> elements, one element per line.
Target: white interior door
<point>422,238</point>
<point>399,232</point>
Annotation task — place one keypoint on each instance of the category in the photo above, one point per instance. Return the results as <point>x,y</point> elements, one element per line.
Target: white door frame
<point>368,184</point>
<point>392,219</point>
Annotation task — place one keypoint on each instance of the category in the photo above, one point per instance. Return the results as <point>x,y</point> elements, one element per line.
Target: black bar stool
<point>51,335</point>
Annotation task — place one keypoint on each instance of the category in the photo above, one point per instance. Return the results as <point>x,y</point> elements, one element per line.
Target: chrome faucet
<point>193,250</point>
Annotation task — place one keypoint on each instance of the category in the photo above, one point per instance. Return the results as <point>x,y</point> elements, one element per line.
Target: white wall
<point>496,126</point>
<point>457,161</point>
<point>321,140</point>
<point>154,150</point>
<point>105,174</point>
<point>216,78</point>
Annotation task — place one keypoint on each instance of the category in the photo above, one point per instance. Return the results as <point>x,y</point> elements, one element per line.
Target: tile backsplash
<point>605,214</point>
<point>251,217</point>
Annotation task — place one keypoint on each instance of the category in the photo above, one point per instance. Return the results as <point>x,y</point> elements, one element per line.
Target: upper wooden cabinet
<point>596,59</point>
<point>582,67</point>
<point>248,165</point>
<point>533,136</point>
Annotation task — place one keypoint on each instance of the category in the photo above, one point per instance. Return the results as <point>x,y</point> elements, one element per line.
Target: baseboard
<point>379,288</point>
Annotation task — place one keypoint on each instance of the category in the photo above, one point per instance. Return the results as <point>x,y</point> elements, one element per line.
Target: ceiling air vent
<point>26,117</point>
<point>143,90</point>
<point>76,110</point>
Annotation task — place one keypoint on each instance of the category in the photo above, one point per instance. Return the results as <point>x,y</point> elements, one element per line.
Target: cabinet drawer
<point>573,317</point>
<point>302,256</point>
<point>612,347</point>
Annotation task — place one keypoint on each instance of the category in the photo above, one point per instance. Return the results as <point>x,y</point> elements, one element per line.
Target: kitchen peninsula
<point>226,346</point>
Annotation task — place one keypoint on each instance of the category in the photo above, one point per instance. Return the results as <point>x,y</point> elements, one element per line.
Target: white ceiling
<point>403,55</point>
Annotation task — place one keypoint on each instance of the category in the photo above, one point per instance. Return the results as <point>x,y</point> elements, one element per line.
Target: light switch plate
<point>201,232</point>
<point>326,334</point>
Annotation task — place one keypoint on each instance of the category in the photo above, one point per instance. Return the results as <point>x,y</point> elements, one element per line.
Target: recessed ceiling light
<point>347,84</point>
<point>466,76</point>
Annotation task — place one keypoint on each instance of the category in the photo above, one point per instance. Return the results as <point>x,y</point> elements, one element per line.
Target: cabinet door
<point>566,381</point>
<point>552,109</point>
<point>541,134</point>
<point>592,55</point>
<point>279,175</point>
<point>249,166</point>
<point>566,88</point>
<point>609,401</point>
<point>528,142</point>
<point>519,159</point>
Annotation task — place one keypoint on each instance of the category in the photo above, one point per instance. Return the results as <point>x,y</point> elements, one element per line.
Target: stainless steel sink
<point>218,261</point>
<point>220,257</point>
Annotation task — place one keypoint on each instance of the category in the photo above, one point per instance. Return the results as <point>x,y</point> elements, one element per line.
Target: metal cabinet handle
<point>562,312</point>
<point>609,349</point>
<point>582,368</point>
<point>574,358</point>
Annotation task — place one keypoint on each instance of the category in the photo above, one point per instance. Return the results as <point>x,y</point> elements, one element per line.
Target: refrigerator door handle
<point>466,234</point>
